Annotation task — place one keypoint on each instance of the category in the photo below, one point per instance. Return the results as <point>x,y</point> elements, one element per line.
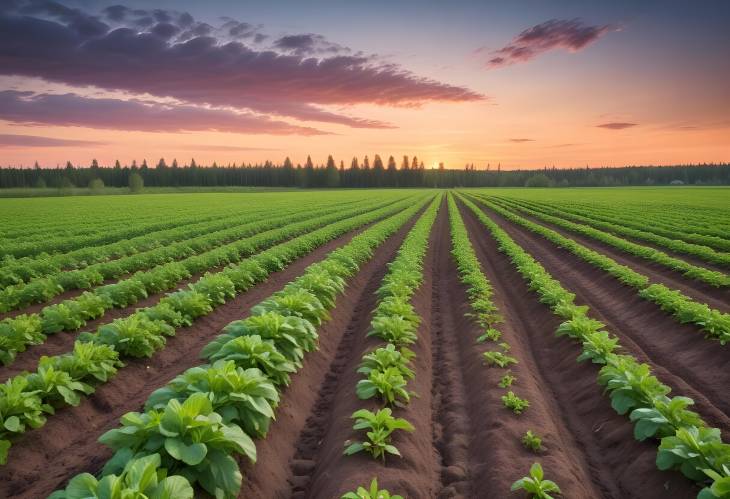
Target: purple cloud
<point>569,34</point>
<point>616,125</point>
<point>115,114</point>
<point>10,140</point>
<point>308,44</point>
<point>204,67</point>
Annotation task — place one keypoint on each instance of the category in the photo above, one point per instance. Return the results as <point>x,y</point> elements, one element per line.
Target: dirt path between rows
<point>44,459</point>
<point>679,354</point>
<point>284,466</point>
<point>590,451</point>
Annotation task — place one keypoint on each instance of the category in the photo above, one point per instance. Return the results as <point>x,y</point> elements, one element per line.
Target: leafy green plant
<point>497,358</point>
<point>490,334</point>
<point>242,396</point>
<point>507,380</point>
<point>20,407</point>
<point>252,351</point>
<point>135,335</point>
<point>300,303</point>
<point>379,427</point>
<point>373,492</point>
<point>393,329</point>
<point>532,441</point>
<point>389,384</point>
<point>515,403</point>
<point>536,485</point>
<point>141,478</point>
<point>192,441</point>
<point>382,358</point>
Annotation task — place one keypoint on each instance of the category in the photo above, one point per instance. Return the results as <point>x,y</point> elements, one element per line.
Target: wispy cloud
<point>170,54</point>
<point>28,108</point>
<point>616,125</point>
<point>519,141</point>
<point>569,34</point>
<point>11,140</point>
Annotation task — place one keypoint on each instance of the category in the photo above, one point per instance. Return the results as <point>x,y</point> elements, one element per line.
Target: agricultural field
<point>488,343</point>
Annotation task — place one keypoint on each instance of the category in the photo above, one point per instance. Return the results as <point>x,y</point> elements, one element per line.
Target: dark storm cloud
<point>202,66</point>
<point>616,125</point>
<point>568,34</point>
<point>26,108</point>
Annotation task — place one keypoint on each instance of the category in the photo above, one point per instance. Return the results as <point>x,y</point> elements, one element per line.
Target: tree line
<point>409,172</point>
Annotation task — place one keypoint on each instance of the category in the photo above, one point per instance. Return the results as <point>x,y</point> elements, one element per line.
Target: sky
<point>522,84</point>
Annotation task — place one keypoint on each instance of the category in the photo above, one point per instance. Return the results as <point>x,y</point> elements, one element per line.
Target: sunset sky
<point>524,83</point>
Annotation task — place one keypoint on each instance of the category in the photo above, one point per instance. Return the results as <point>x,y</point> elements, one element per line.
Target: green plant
<point>515,403</point>
<point>141,478</point>
<point>371,493</point>
<point>192,441</point>
<point>242,396</point>
<point>389,384</point>
<point>393,329</point>
<point>536,485</point>
<point>490,334</point>
<point>252,351</point>
<point>388,356</point>
<point>497,358</point>
<point>379,427</point>
<point>532,441</point>
<point>507,380</point>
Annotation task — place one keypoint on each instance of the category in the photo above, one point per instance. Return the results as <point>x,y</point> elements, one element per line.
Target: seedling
<point>535,485</point>
<point>507,380</point>
<point>532,441</point>
<point>379,426</point>
<point>490,334</point>
<point>515,403</point>
<point>372,493</point>
<point>496,358</point>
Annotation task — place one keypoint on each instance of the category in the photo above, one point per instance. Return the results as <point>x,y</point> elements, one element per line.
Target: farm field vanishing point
<point>301,344</point>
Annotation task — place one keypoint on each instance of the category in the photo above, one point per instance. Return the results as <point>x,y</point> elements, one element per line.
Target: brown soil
<point>679,354</point>
<point>44,459</point>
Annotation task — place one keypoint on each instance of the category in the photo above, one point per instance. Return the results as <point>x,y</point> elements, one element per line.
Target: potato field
<point>470,343</point>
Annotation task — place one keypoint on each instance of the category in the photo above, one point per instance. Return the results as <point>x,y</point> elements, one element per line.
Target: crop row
<point>486,314</point>
<point>386,370</point>
<point>714,323</point>
<point>660,224</point>
<point>672,243</point>
<point>711,277</point>
<point>26,398</point>
<point>106,236</point>
<point>23,330</point>
<point>198,423</point>
<point>40,290</point>
<point>687,443</point>
<point>24,270</point>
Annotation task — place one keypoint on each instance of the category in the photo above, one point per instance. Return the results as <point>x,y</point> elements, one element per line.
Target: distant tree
<point>69,166</point>
<point>391,163</point>
<point>366,163</point>
<point>287,163</point>
<point>414,163</point>
<point>144,165</point>
<point>332,175</point>
<point>117,165</point>
<point>193,164</point>
<point>40,183</point>
<point>94,164</point>
<point>161,165</point>
<point>174,163</point>
<point>354,165</point>
<point>309,163</point>
<point>96,185</point>
<point>136,183</point>
<point>539,180</point>
<point>404,164</point>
